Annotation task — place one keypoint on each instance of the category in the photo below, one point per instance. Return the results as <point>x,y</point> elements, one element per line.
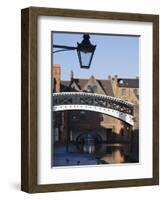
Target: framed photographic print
<point>90,99</point>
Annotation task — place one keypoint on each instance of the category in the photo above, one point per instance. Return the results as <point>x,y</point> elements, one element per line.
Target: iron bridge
<point>108,105</point>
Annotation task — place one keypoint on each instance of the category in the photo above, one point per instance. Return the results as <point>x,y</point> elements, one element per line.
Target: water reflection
<point>103,153</point>
<point>88,143</point>
<point>114,154</point>
<point>92,153</point>
<point>107,153</point>
<point>90,149</point>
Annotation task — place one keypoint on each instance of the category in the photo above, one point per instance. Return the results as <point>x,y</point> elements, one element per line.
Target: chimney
<point>114,78</point>
<point>71,75</point>
<point>109,77</point>
<point>57,77</point>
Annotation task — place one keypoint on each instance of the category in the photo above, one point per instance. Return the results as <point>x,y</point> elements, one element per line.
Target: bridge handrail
<point>94,94</point>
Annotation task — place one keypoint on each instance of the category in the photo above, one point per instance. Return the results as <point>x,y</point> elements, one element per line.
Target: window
<point>122,131</point>
<point>89,88</point>
<point>121,82</point>
<point>92,88</point>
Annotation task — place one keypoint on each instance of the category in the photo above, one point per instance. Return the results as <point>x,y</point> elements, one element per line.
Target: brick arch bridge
<point>108,105</point>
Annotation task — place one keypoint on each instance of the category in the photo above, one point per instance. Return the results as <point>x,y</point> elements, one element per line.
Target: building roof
<point>128,83</point>
<point>80,82</point>
<point>106,86</point>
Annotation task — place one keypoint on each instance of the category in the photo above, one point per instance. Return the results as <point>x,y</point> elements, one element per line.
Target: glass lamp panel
<point>85,58</point>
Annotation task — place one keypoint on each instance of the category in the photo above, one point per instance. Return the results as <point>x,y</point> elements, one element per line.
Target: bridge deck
<point>83,98</point>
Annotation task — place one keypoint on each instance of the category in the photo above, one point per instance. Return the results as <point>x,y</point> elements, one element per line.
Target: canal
<point>91,154</point>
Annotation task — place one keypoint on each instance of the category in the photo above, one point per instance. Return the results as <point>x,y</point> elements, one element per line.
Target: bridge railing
<point>83,98</point>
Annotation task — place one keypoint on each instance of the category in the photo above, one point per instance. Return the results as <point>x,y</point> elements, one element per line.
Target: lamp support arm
<point>63,48</point>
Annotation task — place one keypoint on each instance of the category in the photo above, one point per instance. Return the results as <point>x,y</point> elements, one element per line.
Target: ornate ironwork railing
<point>83,98</point>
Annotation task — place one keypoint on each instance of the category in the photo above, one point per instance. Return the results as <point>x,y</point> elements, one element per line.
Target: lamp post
<point>85,51</point>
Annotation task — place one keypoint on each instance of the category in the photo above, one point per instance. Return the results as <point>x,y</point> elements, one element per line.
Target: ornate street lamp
<point>84,49</point>
<point>85,52</point>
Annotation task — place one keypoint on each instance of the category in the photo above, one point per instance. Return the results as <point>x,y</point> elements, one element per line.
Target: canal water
<point>91,154</point>
<point>109,153</point>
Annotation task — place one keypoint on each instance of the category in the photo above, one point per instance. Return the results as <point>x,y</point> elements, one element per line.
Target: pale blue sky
<point>114,55</point>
